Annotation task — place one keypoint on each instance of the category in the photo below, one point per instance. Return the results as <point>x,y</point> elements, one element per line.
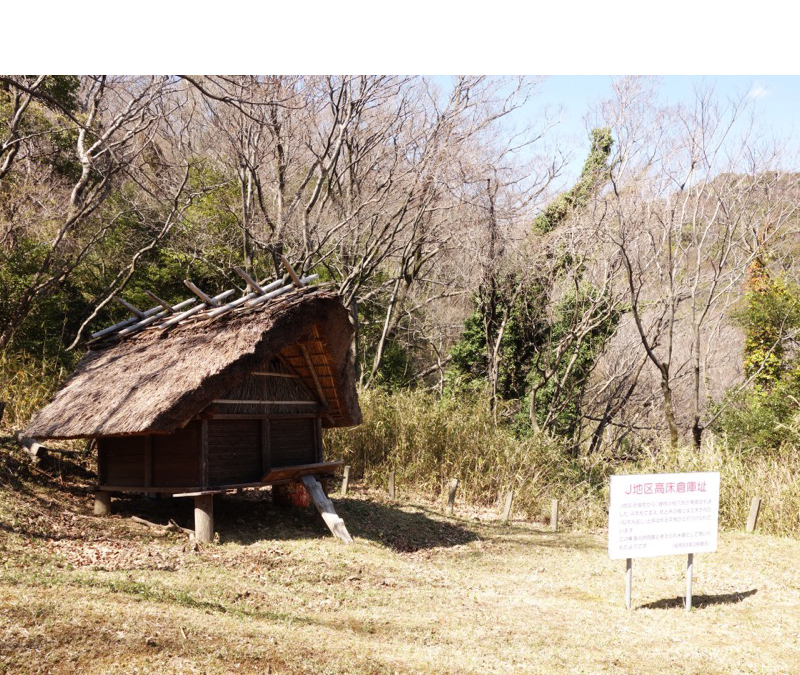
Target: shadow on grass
<point>249,518</point>
<point>701,601</point>
<point>404,531</point>
<point>53,470</point>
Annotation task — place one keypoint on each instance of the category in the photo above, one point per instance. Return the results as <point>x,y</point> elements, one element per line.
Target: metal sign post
<point>628,565</point>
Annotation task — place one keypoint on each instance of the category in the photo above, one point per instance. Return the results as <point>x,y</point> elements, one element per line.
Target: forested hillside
<point>650,303</point>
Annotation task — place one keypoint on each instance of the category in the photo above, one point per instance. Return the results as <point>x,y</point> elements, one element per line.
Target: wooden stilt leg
<point>102,503</point>
<point>204,518</point>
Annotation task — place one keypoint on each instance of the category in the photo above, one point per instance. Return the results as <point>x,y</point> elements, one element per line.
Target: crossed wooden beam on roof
<point>209,307</point>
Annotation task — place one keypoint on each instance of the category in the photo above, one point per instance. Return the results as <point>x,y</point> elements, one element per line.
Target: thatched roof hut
<point>155,382</point>
<point>225,400</point>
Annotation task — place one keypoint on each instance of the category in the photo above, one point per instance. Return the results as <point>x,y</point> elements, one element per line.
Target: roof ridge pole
<point>153,312</point>
<point>303,282</point>
<point>156,317</point>
<point>240,301</point>
<point>207,299</point>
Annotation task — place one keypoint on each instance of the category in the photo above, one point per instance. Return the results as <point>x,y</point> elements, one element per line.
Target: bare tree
<point>112,127</point>
<point>691,190</point>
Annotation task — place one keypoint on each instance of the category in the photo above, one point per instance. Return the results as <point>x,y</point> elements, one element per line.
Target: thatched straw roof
<point>156,381</point>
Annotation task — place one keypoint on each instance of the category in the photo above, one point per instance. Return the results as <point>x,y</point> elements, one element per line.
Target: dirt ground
<point>416,592</point>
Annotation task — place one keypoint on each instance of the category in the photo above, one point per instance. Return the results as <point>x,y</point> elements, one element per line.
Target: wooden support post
<point>752,519</point>
<point>325,507</point>
<point>102,503</point>
<point>204,518</point>
<point>391,485</point>
<point>628,566</point>
<point>318,438</point>
<point>148,461</point>
<point>507,509</point>
<point>689,573</point>
<point>345,480</point>
<point>451,499</point>
<point>554,515</point>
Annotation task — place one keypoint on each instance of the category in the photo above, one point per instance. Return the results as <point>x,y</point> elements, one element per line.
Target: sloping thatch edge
<point>156,381</point>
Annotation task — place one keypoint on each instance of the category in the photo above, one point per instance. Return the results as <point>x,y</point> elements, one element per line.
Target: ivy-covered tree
<point>594,174</point>
<point>769,308</point>
<point>536,333</point>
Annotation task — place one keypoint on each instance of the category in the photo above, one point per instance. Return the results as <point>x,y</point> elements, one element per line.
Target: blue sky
<point>776,100</point>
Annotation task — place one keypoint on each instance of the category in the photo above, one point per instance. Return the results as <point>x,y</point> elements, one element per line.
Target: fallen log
<point>172,526</point>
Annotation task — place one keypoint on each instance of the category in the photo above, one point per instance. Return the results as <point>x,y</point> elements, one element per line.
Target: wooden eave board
<point>282,473</point>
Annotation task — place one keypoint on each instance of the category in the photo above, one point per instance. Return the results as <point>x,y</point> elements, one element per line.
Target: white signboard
<point>663,514</point>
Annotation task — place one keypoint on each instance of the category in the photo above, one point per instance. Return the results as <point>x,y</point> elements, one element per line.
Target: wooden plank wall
<point>234,451</point>
<point>122,460</point>
<point>293,441</point>
<point>176,458</point>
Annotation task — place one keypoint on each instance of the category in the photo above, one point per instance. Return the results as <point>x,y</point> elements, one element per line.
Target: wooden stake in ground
<point>345,480</point>
<point>35,450</point>
<point>391,485</point>
<point>752,519</point>
<point>554,515</point>
<point>325,507</point>
<point>507,509</point>
<point>451,500</point>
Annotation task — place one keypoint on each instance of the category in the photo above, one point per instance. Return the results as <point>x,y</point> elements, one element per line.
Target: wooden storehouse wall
<point>234,451</point>
<point>171,460</point>
<point>256,436</point>
<point>269,420</point>
<point>176,458</point>
<point>121,460</point>
<point>293,441</point>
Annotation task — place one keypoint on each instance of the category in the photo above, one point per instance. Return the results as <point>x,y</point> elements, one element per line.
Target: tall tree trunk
<point>697,427</point>
<point>376,362</point>
<point>669,410</point>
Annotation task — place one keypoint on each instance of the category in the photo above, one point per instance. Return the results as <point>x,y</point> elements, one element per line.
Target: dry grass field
<point>418,592</point>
